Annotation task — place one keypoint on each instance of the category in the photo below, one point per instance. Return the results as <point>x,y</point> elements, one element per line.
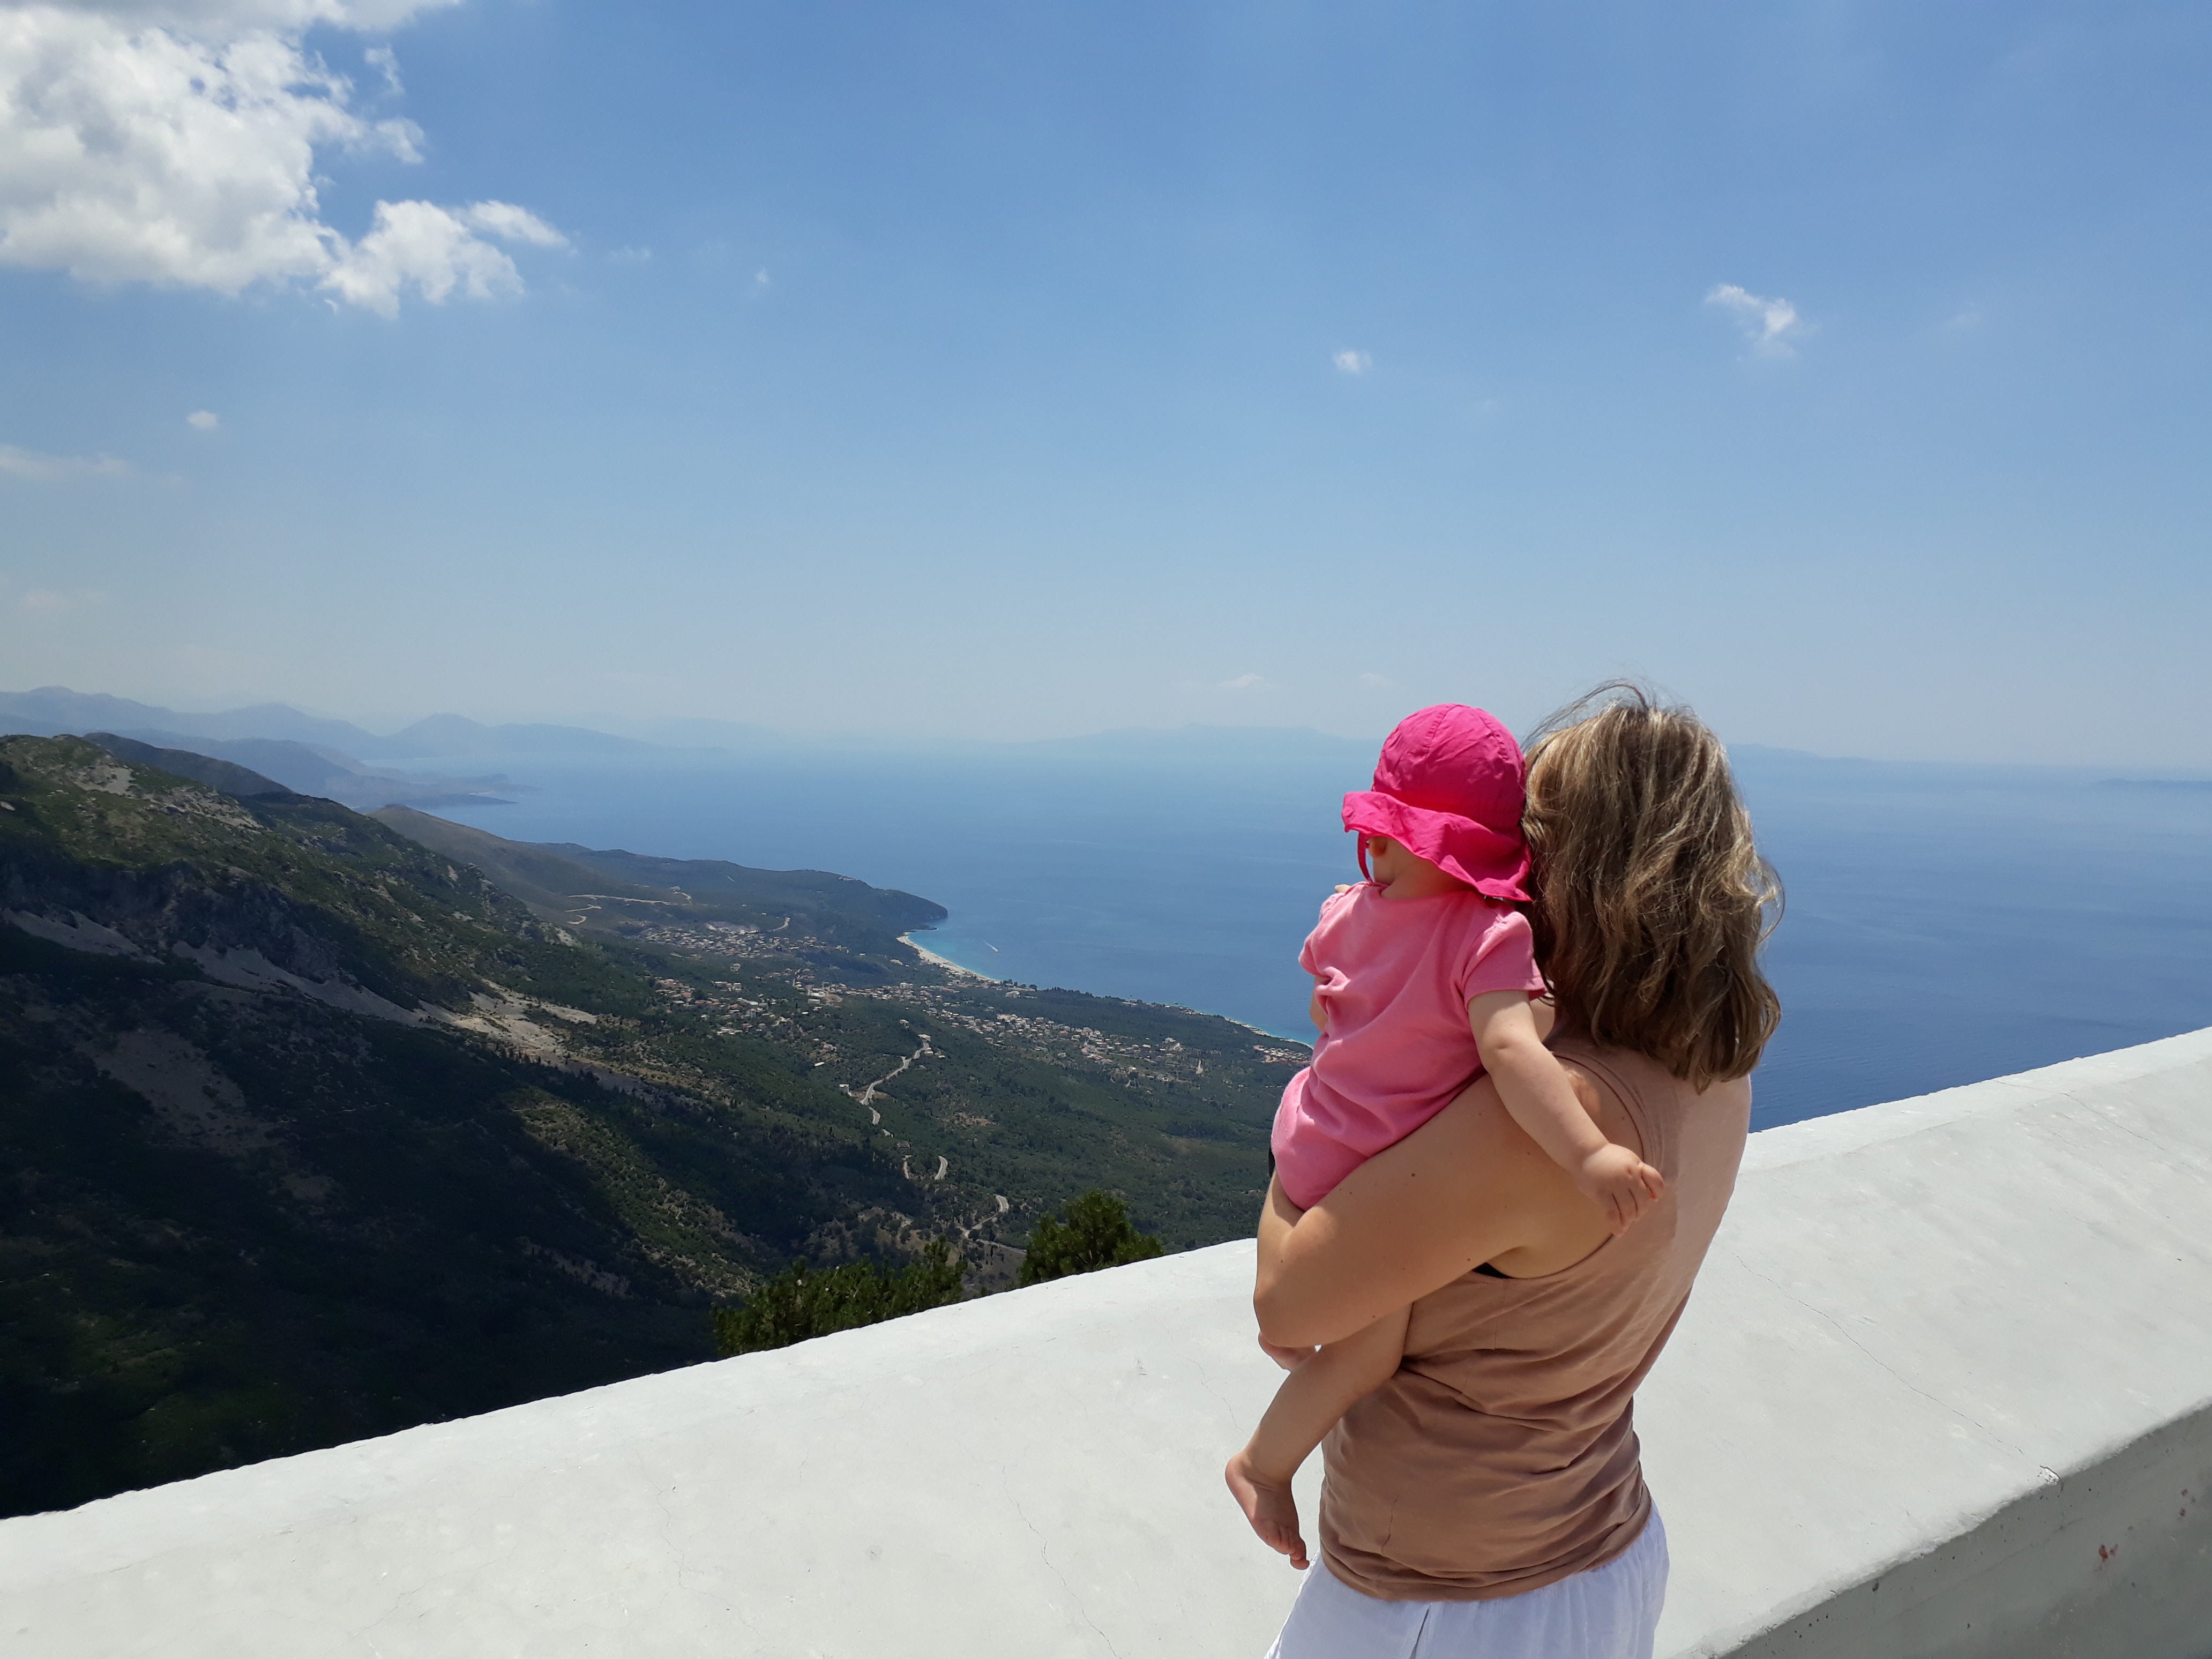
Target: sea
<point>1944,924</point>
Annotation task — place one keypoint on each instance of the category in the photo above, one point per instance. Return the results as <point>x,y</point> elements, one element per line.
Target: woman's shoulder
<point>1627,1070</point>
<point>1672,1120</point>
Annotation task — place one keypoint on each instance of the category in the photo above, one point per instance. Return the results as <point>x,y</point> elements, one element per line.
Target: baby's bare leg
<point>1306,1408</point>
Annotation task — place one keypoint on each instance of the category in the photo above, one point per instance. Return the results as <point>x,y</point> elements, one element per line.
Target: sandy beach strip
<point>945,962</point>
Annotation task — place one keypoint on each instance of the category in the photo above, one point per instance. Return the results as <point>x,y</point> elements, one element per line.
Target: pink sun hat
<point>1449,788</point>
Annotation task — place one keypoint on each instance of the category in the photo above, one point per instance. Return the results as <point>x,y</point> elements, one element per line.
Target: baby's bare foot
<point>1269,1506</point>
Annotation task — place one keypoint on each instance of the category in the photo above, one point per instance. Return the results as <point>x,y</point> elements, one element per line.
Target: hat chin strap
<point>1364,873</point>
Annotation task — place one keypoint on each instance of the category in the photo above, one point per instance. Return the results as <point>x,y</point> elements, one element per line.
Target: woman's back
<point>1501,1456</point>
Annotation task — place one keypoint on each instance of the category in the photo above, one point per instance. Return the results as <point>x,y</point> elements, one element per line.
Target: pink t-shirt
<point>1395,976</point>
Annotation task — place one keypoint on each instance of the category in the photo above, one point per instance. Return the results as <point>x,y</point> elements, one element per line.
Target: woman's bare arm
<point>1466,1187</point>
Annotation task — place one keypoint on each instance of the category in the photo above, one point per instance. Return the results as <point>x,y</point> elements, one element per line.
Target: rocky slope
<point>314,1126</point>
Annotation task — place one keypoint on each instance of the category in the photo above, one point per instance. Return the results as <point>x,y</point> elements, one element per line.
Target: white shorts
<point>1610,1611</point>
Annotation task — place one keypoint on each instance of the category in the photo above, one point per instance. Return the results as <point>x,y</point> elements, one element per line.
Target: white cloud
<point>511,224</point>
<point>1243,682</point>
<point>47,601</point>
<point>1772,326</point>
<point>419,243</point>
<point>1352,362</point>
<point>47,469</point>
<point>761,282</point>
<point>177,142</point>
<point>211,19</point>
<point>1375,682</point>
<point>204,420</point>
<point>436,250</point>
<point>381,59</point>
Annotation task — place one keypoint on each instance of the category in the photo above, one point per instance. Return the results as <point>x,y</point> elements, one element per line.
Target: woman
<point>1487,1501</point>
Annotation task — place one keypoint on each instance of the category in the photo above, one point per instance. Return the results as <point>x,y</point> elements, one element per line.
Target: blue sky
<point>1011,370</point>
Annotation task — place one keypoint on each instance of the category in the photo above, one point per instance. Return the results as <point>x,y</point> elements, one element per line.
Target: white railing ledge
<point>1945,1388</point>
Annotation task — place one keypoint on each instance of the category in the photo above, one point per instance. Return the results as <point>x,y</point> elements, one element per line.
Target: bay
<point>1944,924</point>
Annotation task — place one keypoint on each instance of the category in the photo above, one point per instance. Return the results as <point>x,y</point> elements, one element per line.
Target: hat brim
<point>1494,865</point>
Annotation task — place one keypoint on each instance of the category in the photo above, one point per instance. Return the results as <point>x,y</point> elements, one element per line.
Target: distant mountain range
<point>55,710</point>
<point>303,769</point>
<point>307,754</point>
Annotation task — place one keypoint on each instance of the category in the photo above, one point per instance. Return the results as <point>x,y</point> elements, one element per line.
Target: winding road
<point>866,1097</point>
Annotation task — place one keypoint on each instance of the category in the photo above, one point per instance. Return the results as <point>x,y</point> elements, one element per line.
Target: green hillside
<point>626,893</point>
<point>310,1130</point>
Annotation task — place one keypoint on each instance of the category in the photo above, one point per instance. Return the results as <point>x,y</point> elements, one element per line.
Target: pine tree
<point>804,1302</point>
<point>1093,1231</point>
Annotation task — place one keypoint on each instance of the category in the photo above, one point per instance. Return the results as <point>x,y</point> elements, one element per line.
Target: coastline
<point>945,962</point>
<point>1262,1030</point>
<point>951,966</point>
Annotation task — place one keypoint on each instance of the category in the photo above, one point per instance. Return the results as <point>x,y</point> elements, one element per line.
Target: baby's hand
<point>1620,1183</point>
<point>1268,1506</point>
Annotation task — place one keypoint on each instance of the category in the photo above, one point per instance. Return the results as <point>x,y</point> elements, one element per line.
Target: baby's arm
<point>1306,1408</point>
<point>1536,1092</point>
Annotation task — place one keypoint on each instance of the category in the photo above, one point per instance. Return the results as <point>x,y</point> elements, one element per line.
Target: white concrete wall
<point>1946,1388</point>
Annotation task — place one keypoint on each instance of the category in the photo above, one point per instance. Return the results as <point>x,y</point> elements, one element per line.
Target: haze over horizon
<point>551,736</point>
<point>1005,372</point>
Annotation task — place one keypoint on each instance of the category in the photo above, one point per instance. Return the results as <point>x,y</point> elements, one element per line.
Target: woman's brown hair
<point>1651,900</point>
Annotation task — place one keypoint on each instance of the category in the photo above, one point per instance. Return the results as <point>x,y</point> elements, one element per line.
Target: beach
<point>945,962</point>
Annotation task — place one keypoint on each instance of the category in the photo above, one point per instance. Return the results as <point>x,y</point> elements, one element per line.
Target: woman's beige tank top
<point>1501,1456</point>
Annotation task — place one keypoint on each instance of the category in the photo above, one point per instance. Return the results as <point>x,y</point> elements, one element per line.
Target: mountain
<point>1209,746</point>
<point>602,890</point>
<point>315,1125</point>
<point>541,876</point>
<point>218,775</point>
<point>315,770</point>
<point>54,710</point>
<point>699,732</point>
<point>445,735</point>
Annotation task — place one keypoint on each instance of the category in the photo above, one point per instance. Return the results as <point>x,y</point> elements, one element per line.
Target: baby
<point>1424,975</point>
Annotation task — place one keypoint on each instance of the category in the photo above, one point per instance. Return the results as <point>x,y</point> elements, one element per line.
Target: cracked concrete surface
<point>1945,1361</point>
